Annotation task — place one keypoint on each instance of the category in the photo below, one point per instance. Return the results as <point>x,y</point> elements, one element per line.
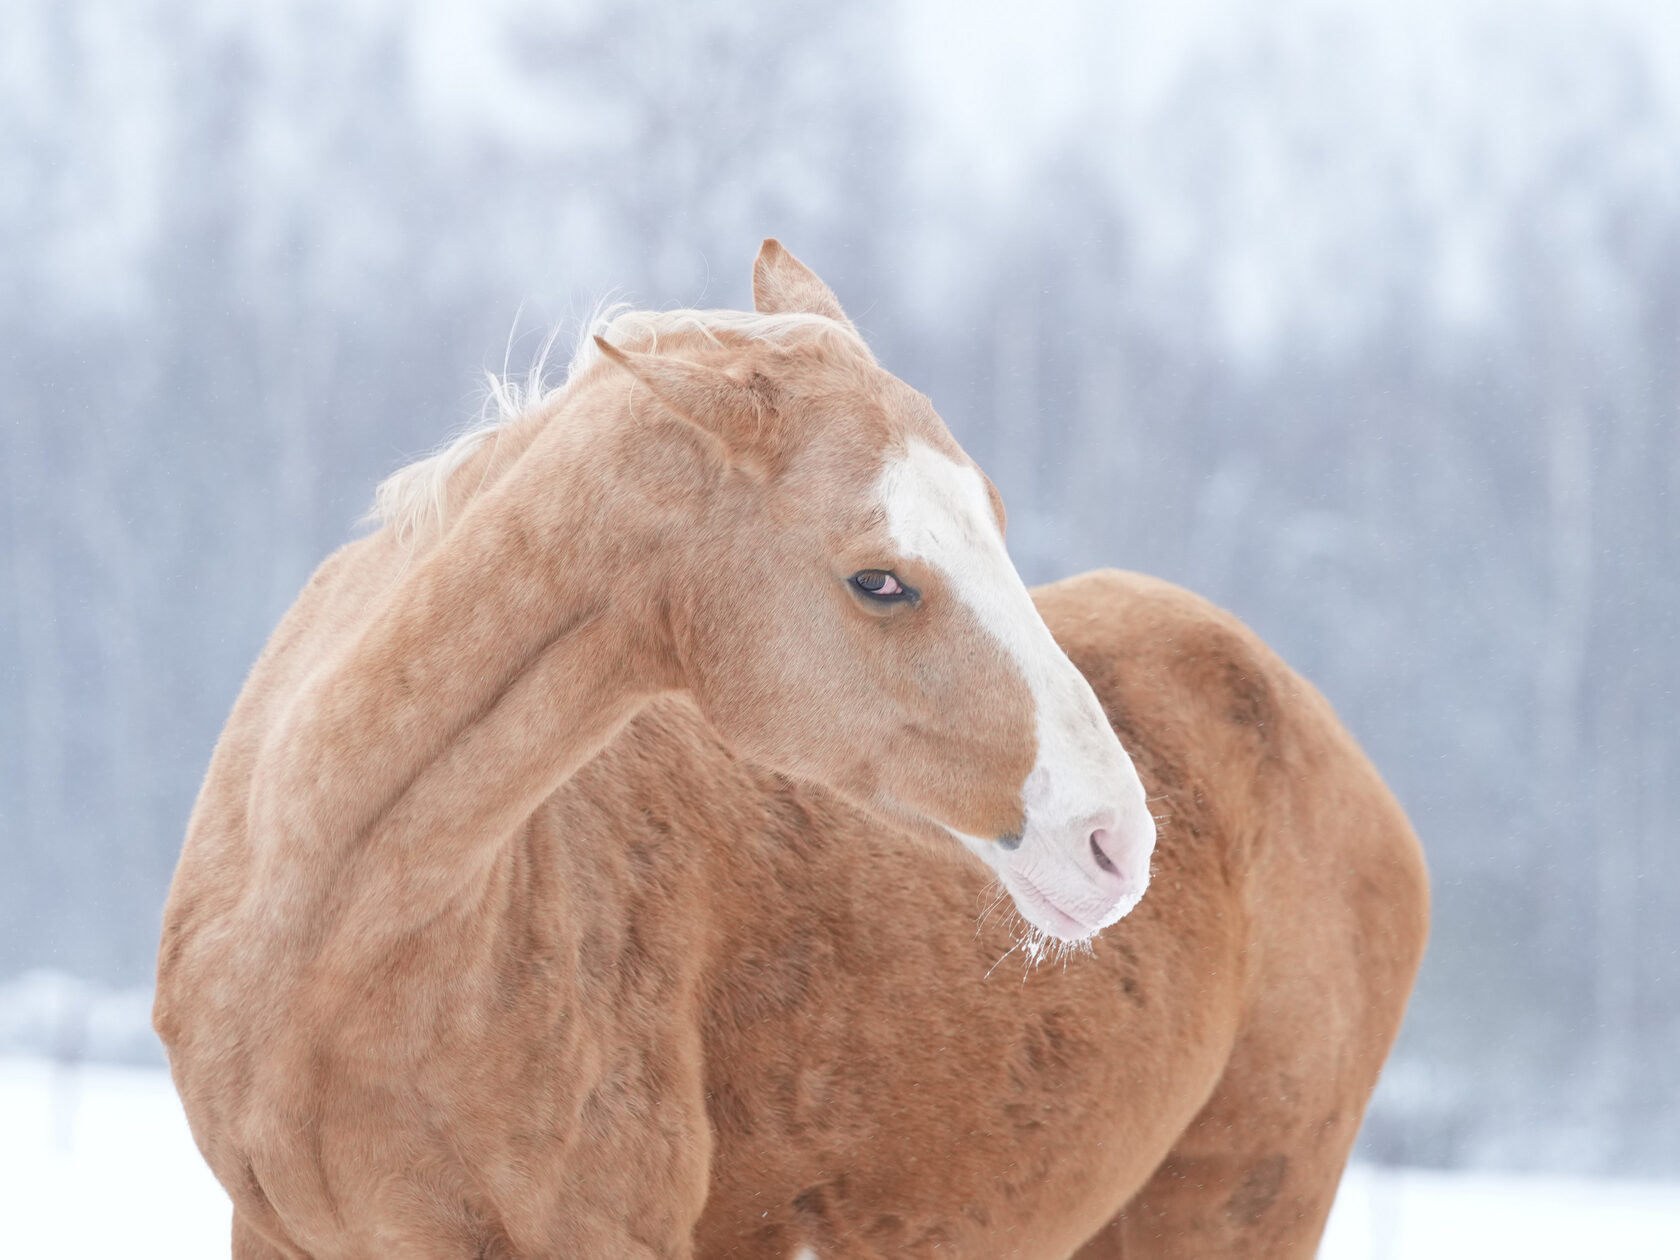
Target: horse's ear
<point>784,285</point>
<point>725,409</point>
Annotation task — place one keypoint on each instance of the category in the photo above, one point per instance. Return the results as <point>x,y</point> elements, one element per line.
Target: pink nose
<point>1112,853</point>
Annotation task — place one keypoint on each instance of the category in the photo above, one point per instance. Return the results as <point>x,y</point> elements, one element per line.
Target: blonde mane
<point>414,499</point>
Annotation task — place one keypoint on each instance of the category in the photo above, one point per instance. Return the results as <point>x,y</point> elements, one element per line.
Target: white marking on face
<point>1082,784</point>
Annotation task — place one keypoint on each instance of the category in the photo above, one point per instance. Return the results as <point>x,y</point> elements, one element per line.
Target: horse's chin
<point>1044,915</point>
<point>1064,918</point>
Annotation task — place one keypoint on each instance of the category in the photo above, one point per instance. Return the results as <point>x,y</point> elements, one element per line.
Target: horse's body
<point>683,1005</point>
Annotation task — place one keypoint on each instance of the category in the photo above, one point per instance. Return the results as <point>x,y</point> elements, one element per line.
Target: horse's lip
<point>1080,930</point>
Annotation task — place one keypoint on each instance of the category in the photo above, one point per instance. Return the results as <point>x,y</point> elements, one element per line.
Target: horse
<point>676,831</point>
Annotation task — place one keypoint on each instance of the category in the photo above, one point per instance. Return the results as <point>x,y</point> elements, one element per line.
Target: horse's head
<point>849,614</point>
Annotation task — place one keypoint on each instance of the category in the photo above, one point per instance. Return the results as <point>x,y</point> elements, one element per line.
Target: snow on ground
<point>96,1161</point>
<point>1402,1213</point>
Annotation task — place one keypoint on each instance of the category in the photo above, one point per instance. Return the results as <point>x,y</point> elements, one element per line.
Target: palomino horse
<point>591,865</point>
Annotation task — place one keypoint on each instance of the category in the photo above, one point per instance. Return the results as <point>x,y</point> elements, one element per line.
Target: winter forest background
<point>1361,319</point>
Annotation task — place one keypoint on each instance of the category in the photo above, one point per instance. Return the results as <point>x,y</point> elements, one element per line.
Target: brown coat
<point>485,942</point>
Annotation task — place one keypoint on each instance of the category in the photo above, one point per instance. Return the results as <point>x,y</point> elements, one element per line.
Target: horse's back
<point>1240,751</point>
<point>1236,742</point>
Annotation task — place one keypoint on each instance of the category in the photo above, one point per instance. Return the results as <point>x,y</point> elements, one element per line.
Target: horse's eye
<point>881,585</point>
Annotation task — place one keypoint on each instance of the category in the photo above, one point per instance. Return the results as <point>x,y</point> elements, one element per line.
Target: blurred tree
<point>1364,321</point>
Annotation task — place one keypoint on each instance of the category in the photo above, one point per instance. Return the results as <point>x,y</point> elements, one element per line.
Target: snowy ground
<point>1390,1214</point>
<point>97,1161</point>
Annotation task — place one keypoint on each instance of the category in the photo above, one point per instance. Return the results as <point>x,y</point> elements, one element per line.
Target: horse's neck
<point>495,665</point>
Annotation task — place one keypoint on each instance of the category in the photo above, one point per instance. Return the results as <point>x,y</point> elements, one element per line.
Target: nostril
<point>1097,838</point>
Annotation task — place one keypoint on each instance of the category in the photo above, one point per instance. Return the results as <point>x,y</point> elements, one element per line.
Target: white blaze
<point>939,512</point>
